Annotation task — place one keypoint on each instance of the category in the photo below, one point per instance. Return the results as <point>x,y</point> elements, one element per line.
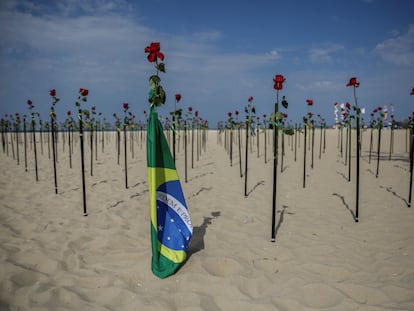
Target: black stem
<point>265,143</point>
<point>247,155</point>
<point>34,147</point>
<point>349,153</point>
<point>304,156</point>
<point>231,147</point>
<point>411,168</point>
<point>296,136</point>
<point>125,155</point>
<point>174,130</point>
<point>185,150</point>
<point>370,146</point>
<point>358,150</point>
<point>378,149</point>
<point>70,143</point>
<point>52,123</point>
<point>91,146</point>
<point>85,213</point>
<point>25,144</point>
<point>275,158</point>
<point>240,157</point>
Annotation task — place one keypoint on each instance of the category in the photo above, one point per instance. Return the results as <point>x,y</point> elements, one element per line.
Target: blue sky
<point>217,54</point>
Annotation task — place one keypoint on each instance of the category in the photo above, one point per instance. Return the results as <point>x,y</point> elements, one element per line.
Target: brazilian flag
<point>171,227</point>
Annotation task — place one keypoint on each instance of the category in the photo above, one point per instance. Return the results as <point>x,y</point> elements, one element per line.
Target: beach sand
<point>54,258</point>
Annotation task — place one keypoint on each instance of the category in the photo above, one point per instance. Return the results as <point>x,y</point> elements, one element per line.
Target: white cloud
<point>105,53</point>
<point>323,54</point>
<point>274,54</point>
<point>101,47</point>
<point>398,50</point>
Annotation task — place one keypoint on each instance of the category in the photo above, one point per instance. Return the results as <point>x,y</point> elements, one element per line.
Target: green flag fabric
<point>171,227</point>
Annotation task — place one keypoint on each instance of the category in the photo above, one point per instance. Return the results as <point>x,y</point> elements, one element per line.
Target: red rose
<point>190,108</point>
<point>353,82</point>
<point>177,97</point>
<point>29,102</point>
<point>250,99</point>
<point>154,52</point>
<point>309,102</point>
<point>278,82</point>
<point>412,91</point>
<point>69,113</point>
<point>229,113</point>
<point>236,112</point>
<point>196,113</point>
<point>348,105</point>
<point>125,105</point>
<point>285,115</point>
<point>52,93</point>
<point>83,92</point>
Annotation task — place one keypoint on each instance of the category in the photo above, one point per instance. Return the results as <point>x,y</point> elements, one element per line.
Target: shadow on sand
<point>197,242</point>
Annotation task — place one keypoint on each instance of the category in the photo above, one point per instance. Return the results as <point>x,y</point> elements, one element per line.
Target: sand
<point>54,258</point>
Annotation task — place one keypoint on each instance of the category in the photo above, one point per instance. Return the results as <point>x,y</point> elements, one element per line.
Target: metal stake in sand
<point>246,155</point>
<point>126,121</point>
<point>25,142</point>
<point>411,168</point>
<point>305,126</point>
<point>185,149</point>
<point>33,127</point>
<point>378,147</point>
<point>411,155</point>
<point>82,97</point>
<point>17,130</point>
<point>265,138</point>
<point>250,111</point>
<point>239,143</point>
<point>52,128</point>
<point>354,83</point>
<point>70,131</point>
<point>278,85</point>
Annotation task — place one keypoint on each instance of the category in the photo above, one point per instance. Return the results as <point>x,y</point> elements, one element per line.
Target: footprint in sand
<point>25,278</point>
<point>222,266</point>
<point>318,295</point>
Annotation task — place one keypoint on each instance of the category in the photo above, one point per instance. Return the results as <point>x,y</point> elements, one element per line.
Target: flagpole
<point>174,129</point>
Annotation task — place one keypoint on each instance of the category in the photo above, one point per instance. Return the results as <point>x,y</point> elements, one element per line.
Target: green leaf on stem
<point>284,103</point>
<point>161,67</point>
<point>154,80</point>
<point>288,131</point>
<point>86,113</point>
<point>159,98</point>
